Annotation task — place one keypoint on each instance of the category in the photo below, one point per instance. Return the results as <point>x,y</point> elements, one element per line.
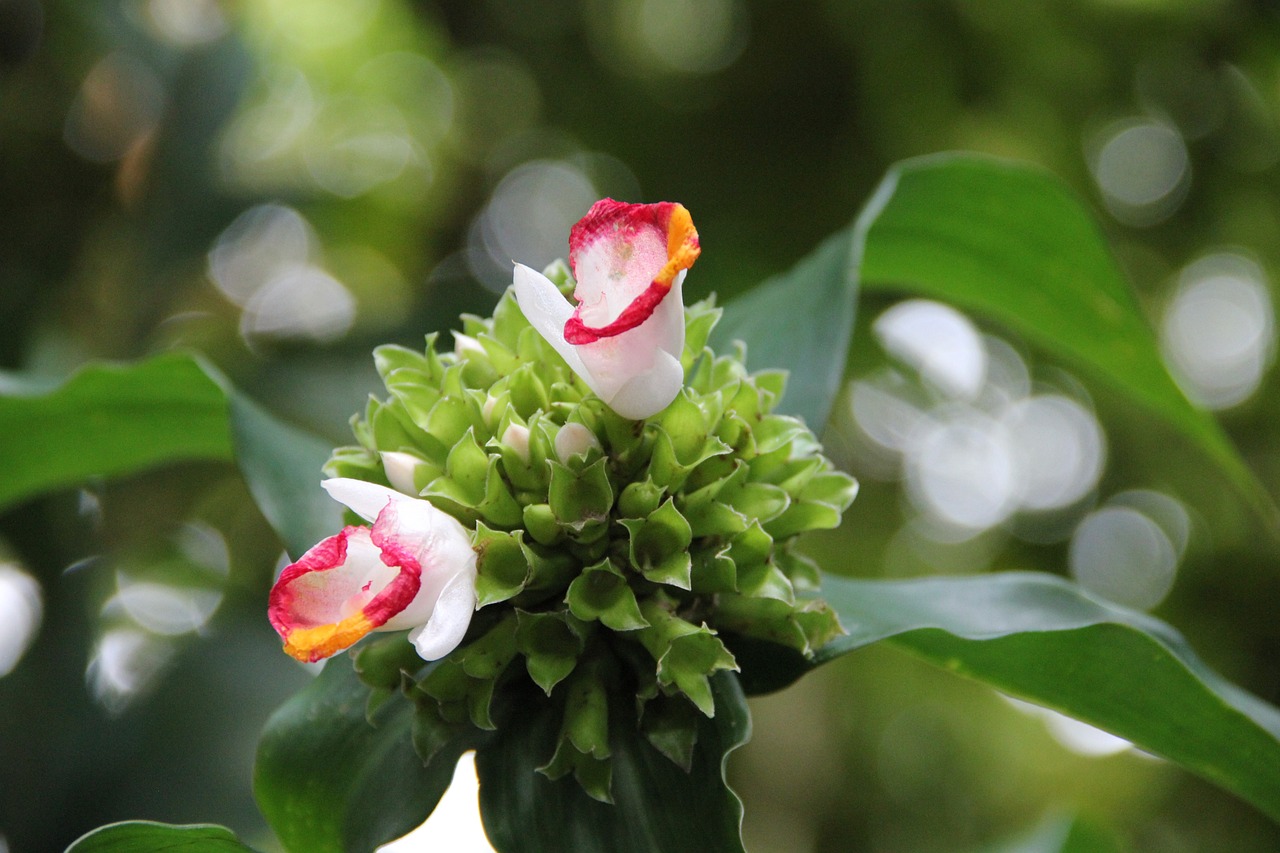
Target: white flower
<point>414,568</point>
<point>625,336</point>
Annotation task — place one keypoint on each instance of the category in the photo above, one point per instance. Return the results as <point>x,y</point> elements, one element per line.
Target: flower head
<point>626,334</point>
<point>610,554</point>
<point>414,568</point>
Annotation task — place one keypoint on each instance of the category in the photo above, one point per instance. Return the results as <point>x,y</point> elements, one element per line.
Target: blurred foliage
<point>197,174</point>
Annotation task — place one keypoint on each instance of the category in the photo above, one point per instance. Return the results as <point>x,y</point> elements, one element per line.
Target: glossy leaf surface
<point>329,779</point>
<point>800,321</point>
<point>1011,243</point>
<point>107,420</point>
<point>1043,639</point>
<point>141,836</point>
<point>281,465</point>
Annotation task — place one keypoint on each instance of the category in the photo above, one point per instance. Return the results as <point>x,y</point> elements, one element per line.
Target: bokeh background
<point>282,185</point>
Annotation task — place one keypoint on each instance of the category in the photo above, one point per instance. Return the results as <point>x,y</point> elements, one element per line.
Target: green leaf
<point>144,836</point>
<point>1043,639</point>
<point>657,805</point>
<point>801,321</point>
<point>764,665</point>
<point>107,420</point>
<point>116,419</point>
<point>282,466</point>
<point>328,779</point>
<point>1012,243</point>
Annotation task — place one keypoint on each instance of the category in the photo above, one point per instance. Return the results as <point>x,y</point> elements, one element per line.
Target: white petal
<point>441,545</point>
<point>650,392</point>
<point>450,619</point>
<point>364,499</point>
<point>668,318</point>
<point>636,373</point>
<point>547,311</point>
<point>400,468</point>
<point>636,356</point>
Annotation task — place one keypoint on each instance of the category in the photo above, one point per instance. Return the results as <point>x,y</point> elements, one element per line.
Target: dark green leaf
<point>281,465</point>
<point>1043,639</point>
<point>1013,244</point>
<point>143,836</point>
<point>801,321</point>
<point>658,806</point>
<point>765,666</point>
<point>328,780</point>
<point>107,420</point>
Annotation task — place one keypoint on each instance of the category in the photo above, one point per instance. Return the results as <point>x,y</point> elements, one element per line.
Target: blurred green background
<point>282,185</point>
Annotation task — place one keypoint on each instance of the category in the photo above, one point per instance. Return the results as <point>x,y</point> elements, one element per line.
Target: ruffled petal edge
<point>309,640</point>
<point>602,223</point>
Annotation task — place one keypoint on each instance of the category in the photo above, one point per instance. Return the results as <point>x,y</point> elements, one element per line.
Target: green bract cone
<point>611,553</point>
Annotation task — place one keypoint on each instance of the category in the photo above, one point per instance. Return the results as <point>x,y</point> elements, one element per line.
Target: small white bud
<point>517,438</point>
<point>573,440</point>
<point>465,346</point>
<point>400,469</point>
<point>487,410</point>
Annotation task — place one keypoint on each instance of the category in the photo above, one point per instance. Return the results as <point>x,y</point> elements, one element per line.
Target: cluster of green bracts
<point>614,556</point>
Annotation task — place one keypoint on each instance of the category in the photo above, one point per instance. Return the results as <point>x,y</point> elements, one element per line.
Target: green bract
<point>613,555</point>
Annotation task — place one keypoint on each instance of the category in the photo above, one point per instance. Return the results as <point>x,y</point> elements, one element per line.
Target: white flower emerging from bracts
<point>626,334</point>
<point>414,568</point>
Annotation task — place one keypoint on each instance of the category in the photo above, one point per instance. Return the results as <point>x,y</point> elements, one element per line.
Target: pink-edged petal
<point>450,619</point>
<point>626,336</point>
<point>414,524</point>
<point>638,373</point>
<point>385,578</point>
<point>625,258</point>
<point>340,590</point>
<point>437,541</point>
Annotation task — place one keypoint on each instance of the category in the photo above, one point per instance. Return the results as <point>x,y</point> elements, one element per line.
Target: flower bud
<point>574,440</point>
<point>401,469</point>
<point>465,346</point>
<point>516,437</point>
